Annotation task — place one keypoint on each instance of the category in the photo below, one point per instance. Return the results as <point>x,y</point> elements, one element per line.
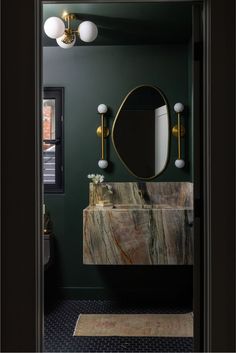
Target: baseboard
<point>83,293</point>
<point>133,294</point>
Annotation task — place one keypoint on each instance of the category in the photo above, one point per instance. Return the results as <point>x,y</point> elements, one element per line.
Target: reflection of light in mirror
<point>161,137</point>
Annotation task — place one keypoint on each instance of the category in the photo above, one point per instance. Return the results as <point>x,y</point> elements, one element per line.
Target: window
<point>53,140</point>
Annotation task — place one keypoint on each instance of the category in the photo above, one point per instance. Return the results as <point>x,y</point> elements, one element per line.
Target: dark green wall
<point>105,74</point>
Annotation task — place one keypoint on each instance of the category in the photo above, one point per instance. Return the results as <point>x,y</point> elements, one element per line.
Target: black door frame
<point>21,278</point>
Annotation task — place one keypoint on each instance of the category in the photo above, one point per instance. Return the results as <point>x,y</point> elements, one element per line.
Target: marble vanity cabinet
<point>150,224</point>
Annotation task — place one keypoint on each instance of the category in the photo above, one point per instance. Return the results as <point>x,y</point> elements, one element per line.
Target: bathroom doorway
<point>21,195</point>
<point>119,220</point>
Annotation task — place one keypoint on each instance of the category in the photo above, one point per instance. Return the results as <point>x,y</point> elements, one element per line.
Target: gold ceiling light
<point>65,35</point>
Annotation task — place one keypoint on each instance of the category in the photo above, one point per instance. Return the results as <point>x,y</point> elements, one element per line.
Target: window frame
<point>56,93</point>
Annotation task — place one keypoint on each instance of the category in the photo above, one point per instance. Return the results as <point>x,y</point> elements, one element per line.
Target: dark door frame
<point>21,278</point>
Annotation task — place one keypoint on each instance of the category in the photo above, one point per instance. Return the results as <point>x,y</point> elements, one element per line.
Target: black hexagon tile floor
<point>60,320</point>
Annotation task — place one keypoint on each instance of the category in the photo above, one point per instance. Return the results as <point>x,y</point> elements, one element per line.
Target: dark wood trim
<point>219,177</point>
<point>197,111</point>
<point>115,1</point>
<point>21,321</point>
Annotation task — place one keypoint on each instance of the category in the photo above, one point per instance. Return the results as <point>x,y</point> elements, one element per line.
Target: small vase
<point>96,191</point>
<point>99,194</point>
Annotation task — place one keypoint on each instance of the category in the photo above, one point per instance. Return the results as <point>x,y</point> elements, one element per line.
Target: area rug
<point>135,325</point>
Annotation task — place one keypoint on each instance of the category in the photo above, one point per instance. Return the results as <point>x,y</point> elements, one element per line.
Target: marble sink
<point>129,206</point>
<point>149,224</point>
<point>146,207</point>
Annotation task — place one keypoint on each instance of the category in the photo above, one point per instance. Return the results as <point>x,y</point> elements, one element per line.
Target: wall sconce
<point>55,28</point>
<point>179,131</point>
<point>103,133</point>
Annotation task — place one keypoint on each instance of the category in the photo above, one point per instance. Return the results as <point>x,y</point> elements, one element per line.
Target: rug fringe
<point>77,322</point>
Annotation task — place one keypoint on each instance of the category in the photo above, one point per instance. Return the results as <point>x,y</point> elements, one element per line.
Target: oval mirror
<point>140,132</point>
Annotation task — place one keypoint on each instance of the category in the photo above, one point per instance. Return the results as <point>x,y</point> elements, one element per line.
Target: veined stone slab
<point>150,224</point>
<point>140,237</point>
<point>169,194</point>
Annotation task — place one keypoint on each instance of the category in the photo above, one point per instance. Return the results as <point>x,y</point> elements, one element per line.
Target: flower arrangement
<point>101,192</point>
<point>98,179</point>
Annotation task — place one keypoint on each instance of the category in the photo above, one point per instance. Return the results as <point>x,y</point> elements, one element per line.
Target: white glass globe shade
<point>179,163</point>
<point>102,164</point>
<point>178,107</point>
<point>64,45</point>
<point>87,31</point>
<point>102,108</point>
<point>54,27</point>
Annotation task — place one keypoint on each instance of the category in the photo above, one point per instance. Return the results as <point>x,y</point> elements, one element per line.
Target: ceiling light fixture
<point>55,28</point>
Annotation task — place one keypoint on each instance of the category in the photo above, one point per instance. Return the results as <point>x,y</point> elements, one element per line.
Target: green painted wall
<point>105,74</point>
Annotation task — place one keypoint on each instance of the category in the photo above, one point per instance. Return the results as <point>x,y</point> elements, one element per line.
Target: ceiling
<point>129,23</point>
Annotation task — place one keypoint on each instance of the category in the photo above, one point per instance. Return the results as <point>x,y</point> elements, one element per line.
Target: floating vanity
<point>149,224</point>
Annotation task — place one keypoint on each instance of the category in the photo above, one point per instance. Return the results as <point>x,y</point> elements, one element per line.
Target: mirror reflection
<point>141,132</point>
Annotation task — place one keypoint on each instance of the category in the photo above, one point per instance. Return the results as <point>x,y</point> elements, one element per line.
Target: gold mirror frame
<point>168,123</point>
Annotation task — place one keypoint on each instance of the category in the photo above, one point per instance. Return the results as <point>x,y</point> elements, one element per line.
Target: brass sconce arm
<point>103,133</point>
<point>179,131</point>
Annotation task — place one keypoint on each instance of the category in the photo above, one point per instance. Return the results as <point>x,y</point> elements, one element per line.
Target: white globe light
<point>179,163</point>
<point>87,31</point>
<point>102,108</point>
<point>178,107</point>
<point>54,27</point>
<point>102,164</point>
<point>64,45</point>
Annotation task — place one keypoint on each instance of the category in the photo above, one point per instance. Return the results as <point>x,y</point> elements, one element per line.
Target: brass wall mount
<point>66,16</point>
<point>175,131</point>
<point>106,131</point>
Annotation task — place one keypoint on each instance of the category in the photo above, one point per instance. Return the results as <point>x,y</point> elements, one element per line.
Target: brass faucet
<point>140,192</point>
